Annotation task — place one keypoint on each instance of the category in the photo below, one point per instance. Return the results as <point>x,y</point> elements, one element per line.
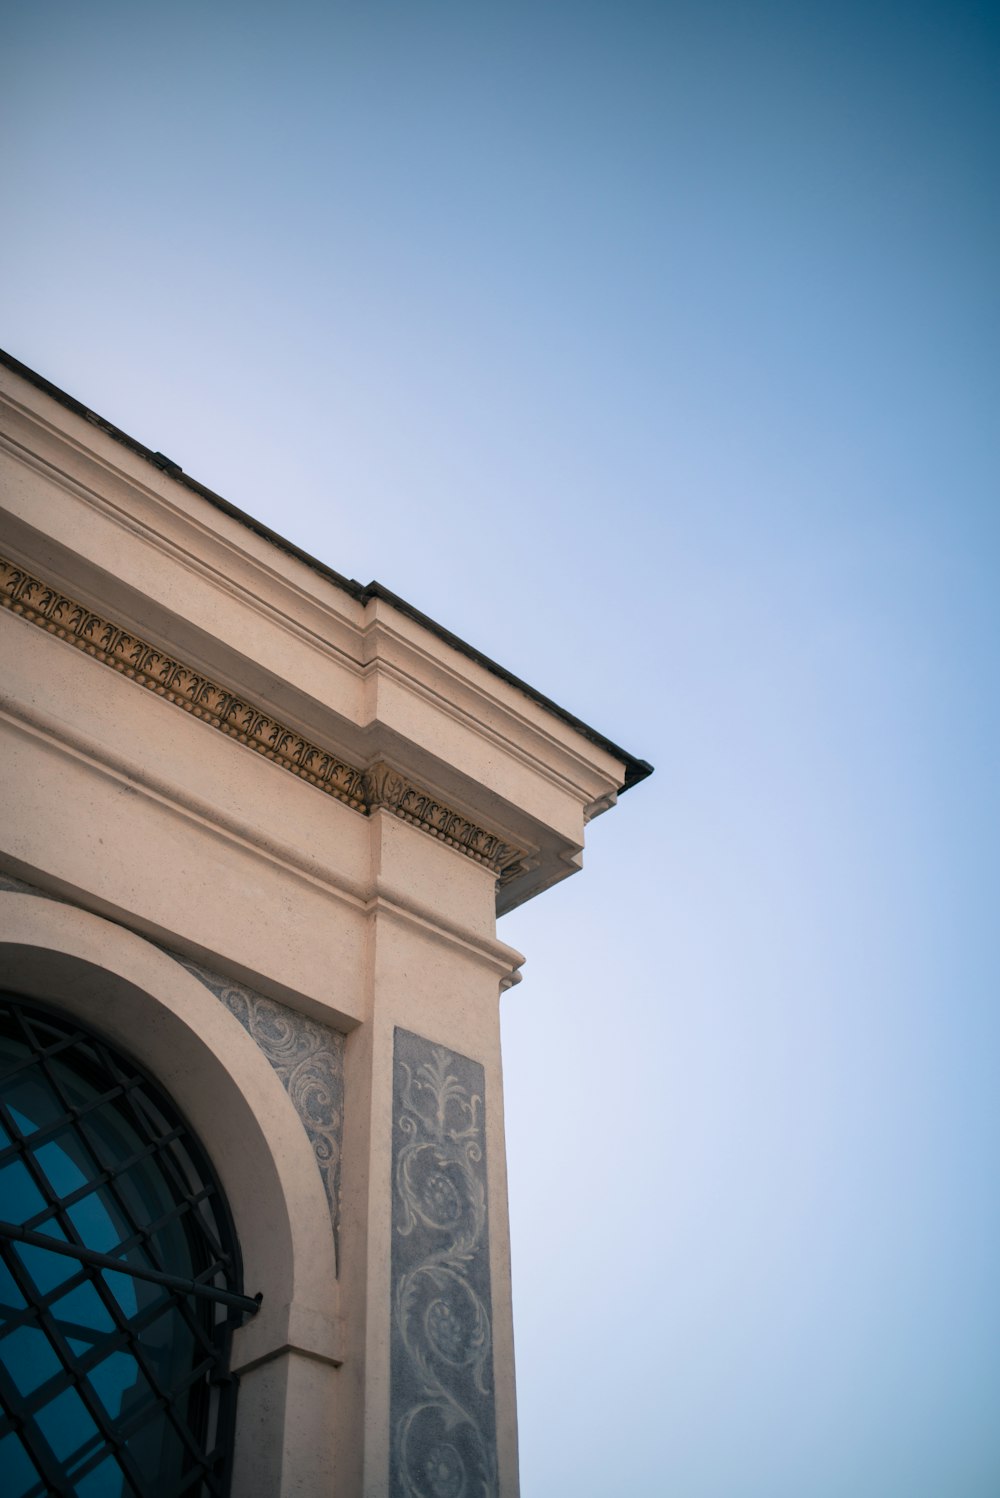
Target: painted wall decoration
<point>309,1060</point>
<point>442,1412</point>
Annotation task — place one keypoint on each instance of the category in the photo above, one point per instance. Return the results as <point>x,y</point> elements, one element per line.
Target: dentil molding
<point>379,787</point>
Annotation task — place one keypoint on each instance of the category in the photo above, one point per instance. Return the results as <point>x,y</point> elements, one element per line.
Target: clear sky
<point>653,348</point>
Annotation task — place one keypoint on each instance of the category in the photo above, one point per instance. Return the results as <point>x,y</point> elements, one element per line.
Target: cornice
<point>386,789</point>
<point>364,790</point>
<point>378,640</point>
<point>633,769</point>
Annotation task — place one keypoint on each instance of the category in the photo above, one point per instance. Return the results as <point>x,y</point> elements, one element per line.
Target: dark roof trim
<point>635,769</point>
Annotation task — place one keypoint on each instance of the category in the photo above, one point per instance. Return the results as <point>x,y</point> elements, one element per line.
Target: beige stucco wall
<point>142,827</point>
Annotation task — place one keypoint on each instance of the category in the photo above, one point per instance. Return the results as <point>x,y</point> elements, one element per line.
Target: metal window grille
<point>120,1276</point>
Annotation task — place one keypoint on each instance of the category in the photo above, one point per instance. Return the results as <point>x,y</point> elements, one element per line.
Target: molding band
<point>379,787</point>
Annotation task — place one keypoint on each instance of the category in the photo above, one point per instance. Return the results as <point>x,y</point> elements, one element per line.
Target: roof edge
<point>636,769</point>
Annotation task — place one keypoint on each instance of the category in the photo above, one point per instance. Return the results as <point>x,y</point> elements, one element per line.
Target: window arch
<point>120,1276</point>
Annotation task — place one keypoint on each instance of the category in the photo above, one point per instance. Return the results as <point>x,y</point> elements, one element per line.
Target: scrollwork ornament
<point>442,1400</point>
<point>308,1059</point>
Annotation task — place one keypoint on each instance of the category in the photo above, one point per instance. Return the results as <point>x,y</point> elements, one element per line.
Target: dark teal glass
<point>111,1384</point>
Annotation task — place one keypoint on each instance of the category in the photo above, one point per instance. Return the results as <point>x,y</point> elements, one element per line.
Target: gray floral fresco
<point>309,1060</point>
<point>443,1419</point>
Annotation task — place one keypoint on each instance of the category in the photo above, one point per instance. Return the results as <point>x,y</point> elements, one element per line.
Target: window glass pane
<point>169,1344</point>
<point>95,1225</point>
<point>123,1289</point>
<point>66,1425</point>
<point>122,1388</point>
<point>10,1295</point>
<point>19,1472</point>
<point>28,1099</point>
<point>105,1481</point>
<point>46,1269</point>
<point>62,1173</point>
<point>29,1357</point>
<point>82,1317</point>
<point>20,1196</point>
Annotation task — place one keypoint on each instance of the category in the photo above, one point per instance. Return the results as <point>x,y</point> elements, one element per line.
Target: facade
<point>258,824</point>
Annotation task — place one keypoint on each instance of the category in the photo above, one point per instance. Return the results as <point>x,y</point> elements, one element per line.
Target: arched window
<point>120,1276</point>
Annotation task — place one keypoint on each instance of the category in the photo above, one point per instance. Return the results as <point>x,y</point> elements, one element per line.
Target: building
<point>258,824</point>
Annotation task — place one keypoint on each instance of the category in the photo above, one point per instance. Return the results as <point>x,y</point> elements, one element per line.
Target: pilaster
<point>425,1237</point>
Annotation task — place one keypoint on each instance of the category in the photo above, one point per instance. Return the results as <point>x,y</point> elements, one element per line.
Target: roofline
<point>635,769</point>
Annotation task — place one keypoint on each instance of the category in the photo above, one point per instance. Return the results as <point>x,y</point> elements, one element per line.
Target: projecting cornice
<point>173,588</point>
<point>379,787</point>
<point>634,770</point>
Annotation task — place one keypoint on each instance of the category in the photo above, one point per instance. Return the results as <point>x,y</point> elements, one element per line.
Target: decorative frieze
<point>230,713</point>
<point>441,1392</point>
<point>385,787</point>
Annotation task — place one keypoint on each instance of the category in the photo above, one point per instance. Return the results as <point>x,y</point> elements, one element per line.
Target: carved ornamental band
<point>363,790</point>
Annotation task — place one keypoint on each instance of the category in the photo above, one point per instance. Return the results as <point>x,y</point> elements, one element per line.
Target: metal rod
<point>250,1305</point>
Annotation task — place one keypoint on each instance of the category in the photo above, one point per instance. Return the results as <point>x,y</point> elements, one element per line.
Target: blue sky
<point>653,349</point>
